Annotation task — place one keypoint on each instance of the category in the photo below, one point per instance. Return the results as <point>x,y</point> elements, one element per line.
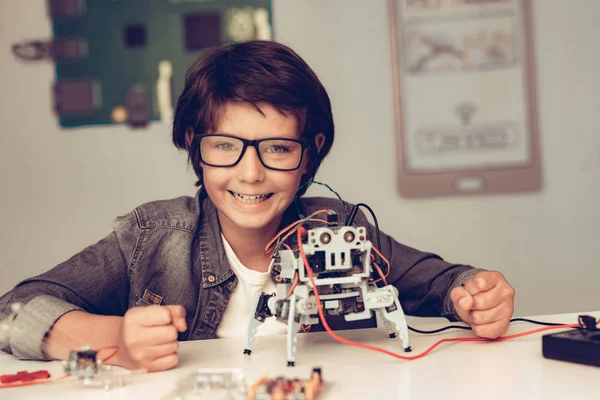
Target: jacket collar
<point>215,266</point>
<point>213,259</point>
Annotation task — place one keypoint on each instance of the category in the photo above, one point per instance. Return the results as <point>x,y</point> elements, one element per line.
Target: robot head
<point>337,249</point>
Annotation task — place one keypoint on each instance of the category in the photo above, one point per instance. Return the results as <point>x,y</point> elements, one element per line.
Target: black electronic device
<point>580,345</point>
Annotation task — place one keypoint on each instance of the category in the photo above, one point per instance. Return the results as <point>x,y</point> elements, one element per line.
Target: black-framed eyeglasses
<point>279,154</point>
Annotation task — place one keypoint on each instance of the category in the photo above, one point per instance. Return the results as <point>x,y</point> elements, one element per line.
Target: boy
<point>256,123</point>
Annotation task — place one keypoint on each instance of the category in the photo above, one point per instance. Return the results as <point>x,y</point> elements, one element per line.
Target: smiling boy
<point>256,123</point>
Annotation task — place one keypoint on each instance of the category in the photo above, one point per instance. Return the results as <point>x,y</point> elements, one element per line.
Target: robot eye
<point>349,236</point>
<point>325,238</point>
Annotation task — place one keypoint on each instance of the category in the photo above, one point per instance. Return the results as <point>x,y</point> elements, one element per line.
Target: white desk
<point>512,369</point>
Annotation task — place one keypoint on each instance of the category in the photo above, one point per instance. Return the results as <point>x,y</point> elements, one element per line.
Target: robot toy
<point>340,263</point>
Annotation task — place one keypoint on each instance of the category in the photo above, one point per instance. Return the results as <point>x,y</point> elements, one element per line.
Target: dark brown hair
<point>253,72</point>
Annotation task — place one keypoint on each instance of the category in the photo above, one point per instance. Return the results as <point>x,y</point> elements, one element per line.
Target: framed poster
<point>464,97</point>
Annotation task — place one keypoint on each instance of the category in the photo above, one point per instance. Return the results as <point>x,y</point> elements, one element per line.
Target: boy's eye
<point>225,146</point>
<point>277,149</point>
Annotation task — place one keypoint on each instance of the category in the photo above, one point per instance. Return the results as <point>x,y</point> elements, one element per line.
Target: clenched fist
<point>486,302</point>
<point>148,337</point>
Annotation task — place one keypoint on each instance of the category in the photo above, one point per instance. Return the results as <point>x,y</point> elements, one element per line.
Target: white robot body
<point>340,261</point>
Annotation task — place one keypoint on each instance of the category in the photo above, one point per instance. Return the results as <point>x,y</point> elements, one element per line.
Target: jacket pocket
<point>148,298</point>
<point>141,302</point>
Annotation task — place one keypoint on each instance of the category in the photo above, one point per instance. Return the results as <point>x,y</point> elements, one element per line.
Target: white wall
<point>61,188</point>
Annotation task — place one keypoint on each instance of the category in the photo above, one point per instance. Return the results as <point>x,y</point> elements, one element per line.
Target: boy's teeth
<point>250,199</point>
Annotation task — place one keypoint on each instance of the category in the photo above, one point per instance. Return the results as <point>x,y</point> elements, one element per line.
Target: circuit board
<point>124,61</point>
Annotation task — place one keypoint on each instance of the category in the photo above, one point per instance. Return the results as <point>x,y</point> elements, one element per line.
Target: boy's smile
<point>248,195</point>
<point>251,198</point>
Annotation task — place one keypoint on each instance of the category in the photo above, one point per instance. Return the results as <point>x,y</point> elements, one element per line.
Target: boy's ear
<point>319,141</point>
<point>189,137</point>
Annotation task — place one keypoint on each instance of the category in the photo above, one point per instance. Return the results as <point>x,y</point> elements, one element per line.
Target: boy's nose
<point>250,168</point>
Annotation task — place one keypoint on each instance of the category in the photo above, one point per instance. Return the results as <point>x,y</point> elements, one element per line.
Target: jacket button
<point>211,278</point>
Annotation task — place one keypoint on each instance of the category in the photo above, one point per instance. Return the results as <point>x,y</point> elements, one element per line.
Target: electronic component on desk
<point>282,388</point>
<point>340,260</point>
<point>82,364</point>
<point>579,345</point>
<point>85,365</point>
<point>211,383</point>
<point>231,384</point>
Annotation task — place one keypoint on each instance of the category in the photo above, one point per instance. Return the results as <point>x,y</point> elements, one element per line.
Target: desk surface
<point>513,369</point>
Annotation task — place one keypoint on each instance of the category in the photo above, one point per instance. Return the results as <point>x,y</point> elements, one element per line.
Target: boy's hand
<point>486,302</point>
<point>149,337</point>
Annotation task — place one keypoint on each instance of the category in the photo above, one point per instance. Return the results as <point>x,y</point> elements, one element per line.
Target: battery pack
<point>580,345</point>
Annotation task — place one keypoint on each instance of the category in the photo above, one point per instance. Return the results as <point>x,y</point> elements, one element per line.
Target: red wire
<point>111,355</point>
<point>423,354</point>
<point>34,382</point>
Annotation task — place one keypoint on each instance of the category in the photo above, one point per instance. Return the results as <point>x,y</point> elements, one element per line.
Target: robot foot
<point>407,349</point>
<point>247,351</point>
<point>290,364</point>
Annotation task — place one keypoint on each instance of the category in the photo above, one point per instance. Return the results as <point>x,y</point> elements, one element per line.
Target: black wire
<point>350,220</point>
<point>352,215</point>
<point>534,322</point>
<point>468,328</point>
<point>307,184</point>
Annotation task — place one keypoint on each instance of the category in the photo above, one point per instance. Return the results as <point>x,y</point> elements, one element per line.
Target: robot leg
<point>292,334</point>
<point>395,314</point>
<point>387,323</point>
<point>259,311</point>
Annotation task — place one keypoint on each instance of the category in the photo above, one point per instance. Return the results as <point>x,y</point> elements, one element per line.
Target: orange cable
<point>290,233</point>
<point>289,293</point>
<point>111,355</point>
<point>376,250</point>
<point>380,274</point>
<point>290,226</point>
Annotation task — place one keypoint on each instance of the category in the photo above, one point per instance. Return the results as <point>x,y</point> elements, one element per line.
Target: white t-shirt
<point>237,315</point>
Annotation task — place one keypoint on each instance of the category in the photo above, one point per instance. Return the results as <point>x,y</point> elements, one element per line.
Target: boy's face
<point>234,190</point>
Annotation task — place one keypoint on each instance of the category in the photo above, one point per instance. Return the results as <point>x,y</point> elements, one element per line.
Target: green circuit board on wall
<point>124,61</point>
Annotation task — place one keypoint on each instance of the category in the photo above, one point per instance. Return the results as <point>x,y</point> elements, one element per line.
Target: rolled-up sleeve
<point>448,309</point>
<point>34,320</point>
<point>95,280</point>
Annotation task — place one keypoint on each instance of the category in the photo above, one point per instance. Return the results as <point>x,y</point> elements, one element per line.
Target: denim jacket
<point>171,252</point>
